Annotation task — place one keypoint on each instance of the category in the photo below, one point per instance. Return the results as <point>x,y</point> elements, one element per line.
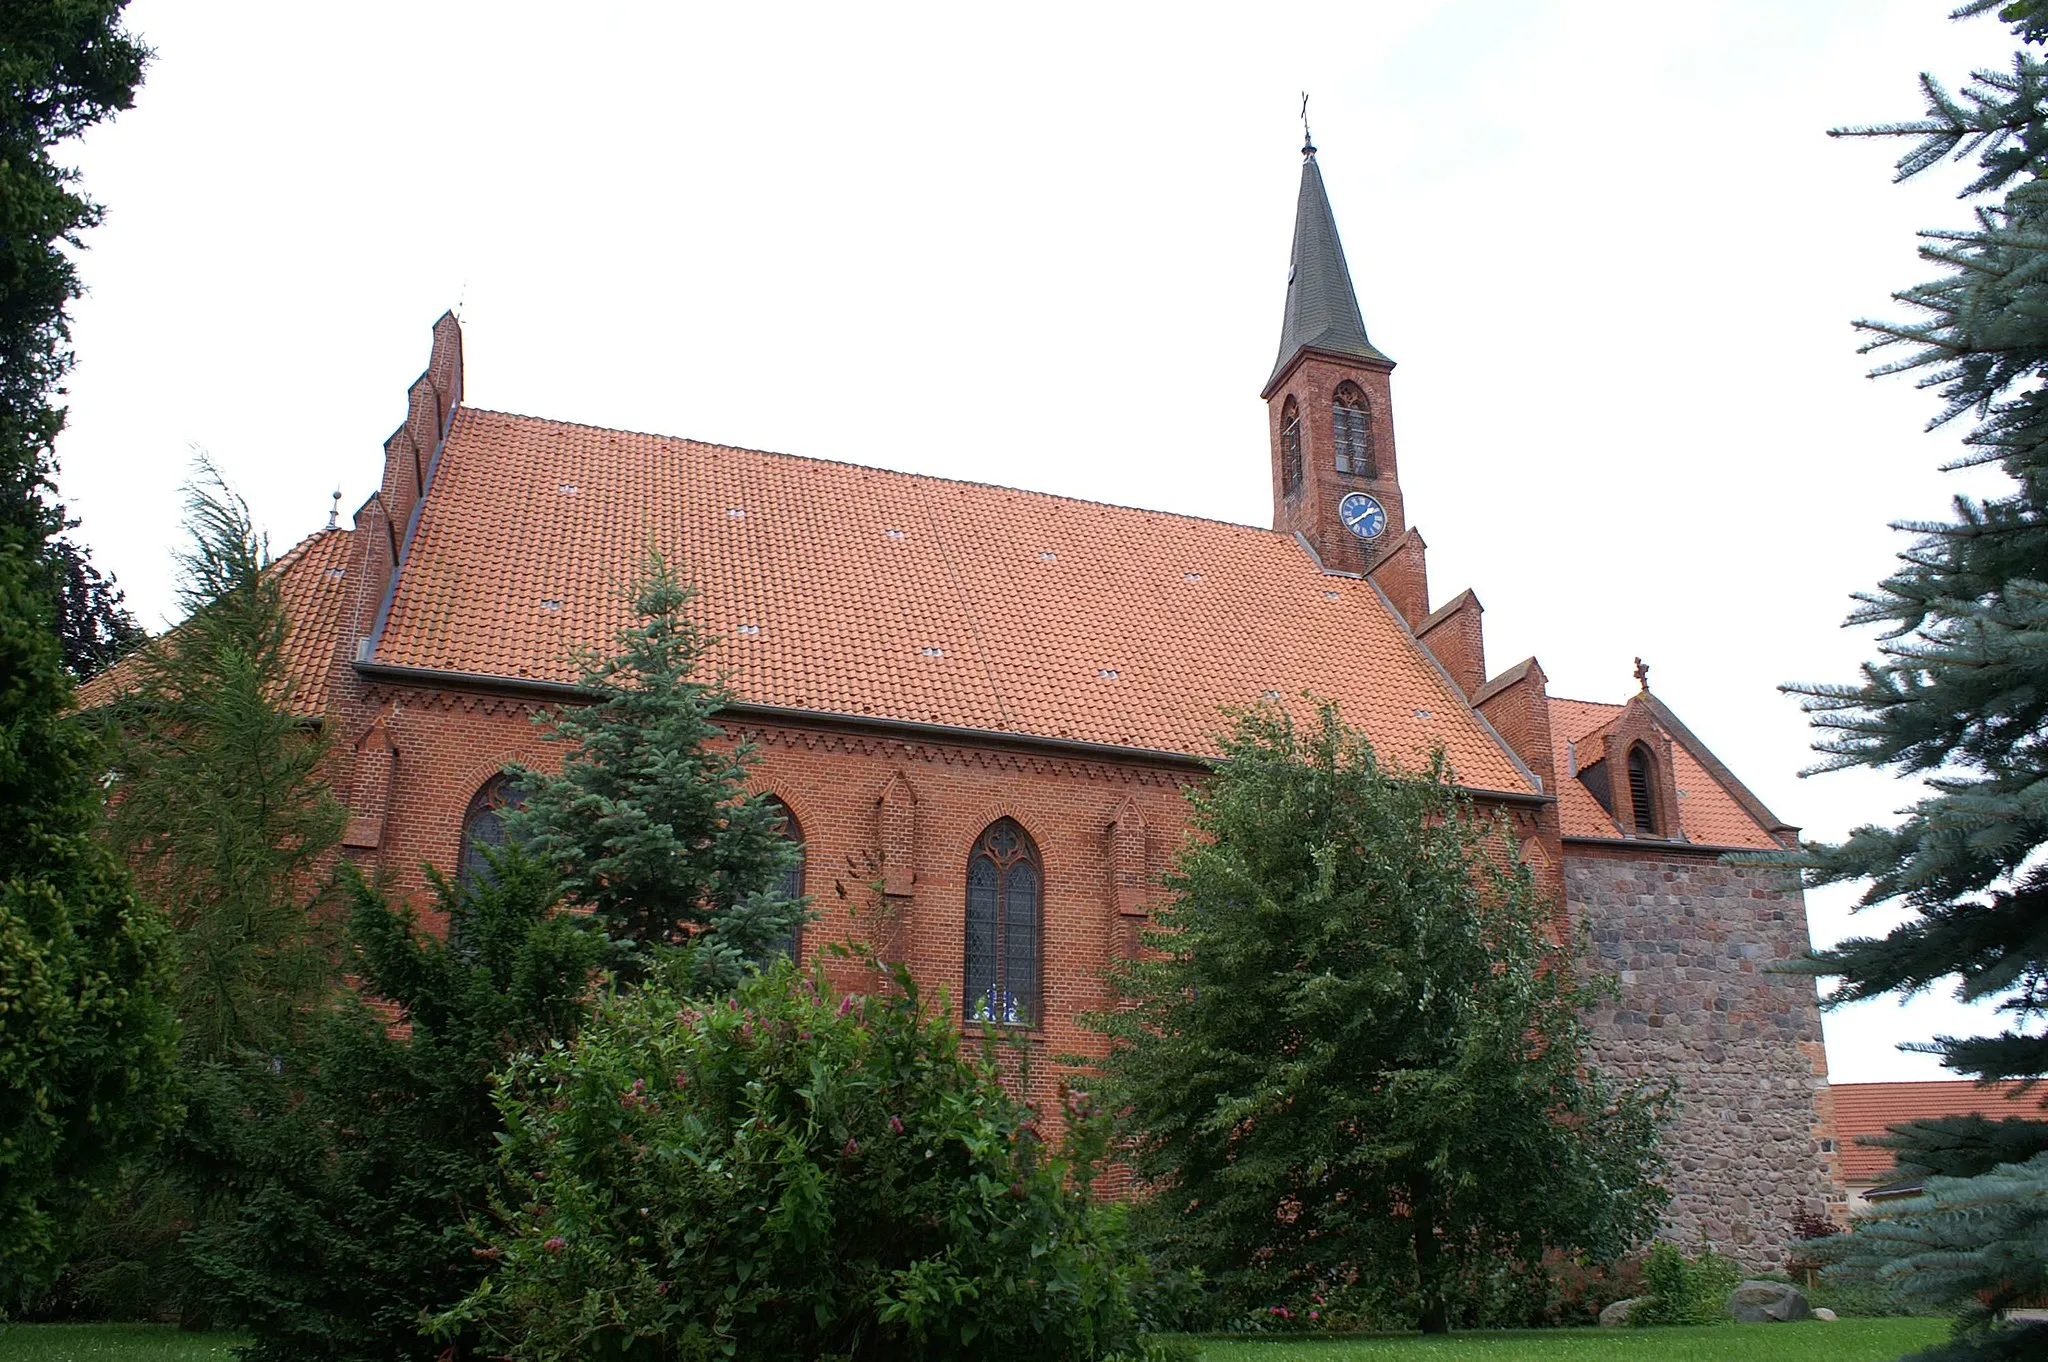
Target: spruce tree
<point>1958,696</point>
<point>649,823</point>
<point>1353,1060</point>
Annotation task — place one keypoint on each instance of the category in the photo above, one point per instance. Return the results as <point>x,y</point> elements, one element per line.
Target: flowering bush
<point>784,1174</point>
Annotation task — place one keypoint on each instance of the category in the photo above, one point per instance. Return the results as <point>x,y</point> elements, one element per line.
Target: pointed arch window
<point>1351,424</point>
<point>1641,791</point>
<point>1290,447</point>
<point>1005,895</point>
<point>791,886</point>
<point>483,826</point>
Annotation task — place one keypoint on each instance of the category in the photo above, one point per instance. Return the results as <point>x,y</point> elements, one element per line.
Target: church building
<point>981,708</point>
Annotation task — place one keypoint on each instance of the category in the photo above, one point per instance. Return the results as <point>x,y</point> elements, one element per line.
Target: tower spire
<point>1322,309</point>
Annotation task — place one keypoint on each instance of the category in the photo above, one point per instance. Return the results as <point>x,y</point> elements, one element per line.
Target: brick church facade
<point>982,707</point>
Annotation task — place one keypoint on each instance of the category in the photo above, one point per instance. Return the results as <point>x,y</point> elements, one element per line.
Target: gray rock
<point>1616,1315</point>
<point>1823,1314</point>
<point>1767,1303</point>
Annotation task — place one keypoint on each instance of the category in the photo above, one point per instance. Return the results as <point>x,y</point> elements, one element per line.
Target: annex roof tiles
<point>851,590</point>
<point>1873,1108</point>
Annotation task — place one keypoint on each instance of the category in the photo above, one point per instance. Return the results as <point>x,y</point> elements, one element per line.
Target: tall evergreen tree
<point>85,1041</point>
<point>93,622</point>
<point>1958,696</point>
<point>1355,1053</point>
<point>649,823</point>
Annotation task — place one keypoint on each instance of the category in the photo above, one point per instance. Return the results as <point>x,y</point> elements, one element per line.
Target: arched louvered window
<point>1290,447</point>
<point>1641,793</point>
<point>1351,424</point>
<point>1005,892</point>
<point>483,826</point>
<point>792,885</point>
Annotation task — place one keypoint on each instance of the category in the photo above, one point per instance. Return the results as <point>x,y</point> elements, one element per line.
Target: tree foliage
<point>779,1174</point>
<point>649,824</point>
<point>93,622</point>
<point>221,802</point>
<point>1355,1050</point>
<point>359,1161</point>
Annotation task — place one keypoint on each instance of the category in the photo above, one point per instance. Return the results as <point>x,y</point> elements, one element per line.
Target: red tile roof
<point>314,585</point>
<point>1872,1108</point>
<point>852,590</point>
<point>1707,811</point>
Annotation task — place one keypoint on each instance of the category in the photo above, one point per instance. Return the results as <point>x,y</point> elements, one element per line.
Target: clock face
<point>1362,515</point>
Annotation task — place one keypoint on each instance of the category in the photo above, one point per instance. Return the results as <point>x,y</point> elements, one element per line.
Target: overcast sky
<point>1609,244</point>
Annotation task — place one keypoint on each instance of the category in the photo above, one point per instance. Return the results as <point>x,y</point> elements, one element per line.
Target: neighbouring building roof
<point>1872,1108</point>
<point>1709,812</point>
<point>313,577</point>
<point>847,590</point>
<point>1322,308</point>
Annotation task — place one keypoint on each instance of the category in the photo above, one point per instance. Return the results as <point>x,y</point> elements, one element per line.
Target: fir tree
<point>93,622</point>
<point>1355,1054</point>
<point>649,824</point>
<point>1958,697</point>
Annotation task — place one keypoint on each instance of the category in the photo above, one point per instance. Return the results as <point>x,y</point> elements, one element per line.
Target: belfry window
<point>1290,447</point>
<point>483,827</point>
<point>1641,792</point>
<point>1351,424</point>
<point>1004,893</point>
<point>791,886</point>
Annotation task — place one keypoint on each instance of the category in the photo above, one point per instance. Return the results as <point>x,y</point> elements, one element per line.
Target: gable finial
<point>1643,675</point>
<point>1308,143</point>
<point>334,511</point>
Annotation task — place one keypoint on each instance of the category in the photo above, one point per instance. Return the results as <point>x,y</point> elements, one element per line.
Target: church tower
<point>1330,403</point>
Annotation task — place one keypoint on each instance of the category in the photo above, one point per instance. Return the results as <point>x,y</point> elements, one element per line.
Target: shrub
<point>1682,1290</point>
<point>780,1174</point>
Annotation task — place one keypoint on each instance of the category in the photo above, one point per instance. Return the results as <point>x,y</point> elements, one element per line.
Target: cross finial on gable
<point>1643,675</point>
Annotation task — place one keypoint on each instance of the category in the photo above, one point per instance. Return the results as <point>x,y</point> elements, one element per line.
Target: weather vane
<point>1308,145</point>
<point>1643,675</point>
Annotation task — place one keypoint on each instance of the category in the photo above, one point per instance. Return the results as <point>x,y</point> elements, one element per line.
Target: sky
<point>1610,245</point>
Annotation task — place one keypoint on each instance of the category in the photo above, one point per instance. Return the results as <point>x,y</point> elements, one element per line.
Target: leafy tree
<point>93,622</point>
<point>649,823</point>
<point>1958,695</point>
<point>221,802</point>
<point>360,1160</point>
<point>785,1175</point>
<point>85,1041</point>
<point>1354,1052</point>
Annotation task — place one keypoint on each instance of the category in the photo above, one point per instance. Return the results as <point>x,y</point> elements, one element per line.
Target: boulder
<point>1823,1314</point>
<point>1616,1315</point>
<point>1767,1303</point>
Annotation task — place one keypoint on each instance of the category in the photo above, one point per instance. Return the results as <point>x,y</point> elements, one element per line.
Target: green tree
<point>85,1041</point>
<point>221,803</point>
<point>93,621</point>
<point>649,824</point>
<point>1958,695</point>
<point>1354,1052</point>
<point>361,1158</point>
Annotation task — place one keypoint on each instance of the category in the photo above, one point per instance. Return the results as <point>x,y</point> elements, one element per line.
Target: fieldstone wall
<point>1687,941</point>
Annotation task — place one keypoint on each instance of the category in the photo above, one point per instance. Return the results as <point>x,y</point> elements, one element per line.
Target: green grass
<point>111,1343</point>
<point>1849,1340</point>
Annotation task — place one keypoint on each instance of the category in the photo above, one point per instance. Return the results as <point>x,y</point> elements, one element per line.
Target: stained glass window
<point>1351,422</point>
<point>1005,887</point>
<point>1290,446</point>
<point>792,884</point>
<point>483,827</point>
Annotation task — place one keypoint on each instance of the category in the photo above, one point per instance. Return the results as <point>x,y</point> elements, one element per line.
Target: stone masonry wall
<point>1687,942</point>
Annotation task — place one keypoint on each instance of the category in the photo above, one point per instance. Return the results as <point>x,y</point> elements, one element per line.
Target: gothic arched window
<point>483,826</point>
<point>1290,447</point>
<point>1351,426</point>
<point>792,884</point>
<point>1641,791</point>
<point>1005,886</point>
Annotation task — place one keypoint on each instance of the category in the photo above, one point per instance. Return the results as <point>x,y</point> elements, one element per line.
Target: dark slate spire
<point>1322,311</point>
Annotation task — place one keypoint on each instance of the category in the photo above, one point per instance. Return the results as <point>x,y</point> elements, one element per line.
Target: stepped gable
<point>1708,812</point>
<point>1873,1108</point>
<point>848,590</point>
<point>313,578</point>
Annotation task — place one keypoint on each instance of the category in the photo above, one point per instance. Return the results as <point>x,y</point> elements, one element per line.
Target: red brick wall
<point>1312,509</point>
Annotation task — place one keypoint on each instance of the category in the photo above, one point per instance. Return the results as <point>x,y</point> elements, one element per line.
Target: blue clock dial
<point>1362,515</point>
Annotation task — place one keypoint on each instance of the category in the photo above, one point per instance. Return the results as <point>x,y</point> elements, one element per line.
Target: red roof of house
<point>1708,812</point>
<point>313,582</point>
<point>848,590</point>
<point>1872,1108</point>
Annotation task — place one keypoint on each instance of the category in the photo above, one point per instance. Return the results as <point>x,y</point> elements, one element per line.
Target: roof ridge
<point>1258,530</point>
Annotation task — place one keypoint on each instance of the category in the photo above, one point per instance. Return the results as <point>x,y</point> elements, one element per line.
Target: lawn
<point>1851,1340</point>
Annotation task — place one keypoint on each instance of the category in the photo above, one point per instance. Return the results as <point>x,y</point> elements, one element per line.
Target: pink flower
<point>895,1125</point>
<point>846,1005</point>
<point>682,1080</point>
<point>852,1148</point>
<point>556,1244</point>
